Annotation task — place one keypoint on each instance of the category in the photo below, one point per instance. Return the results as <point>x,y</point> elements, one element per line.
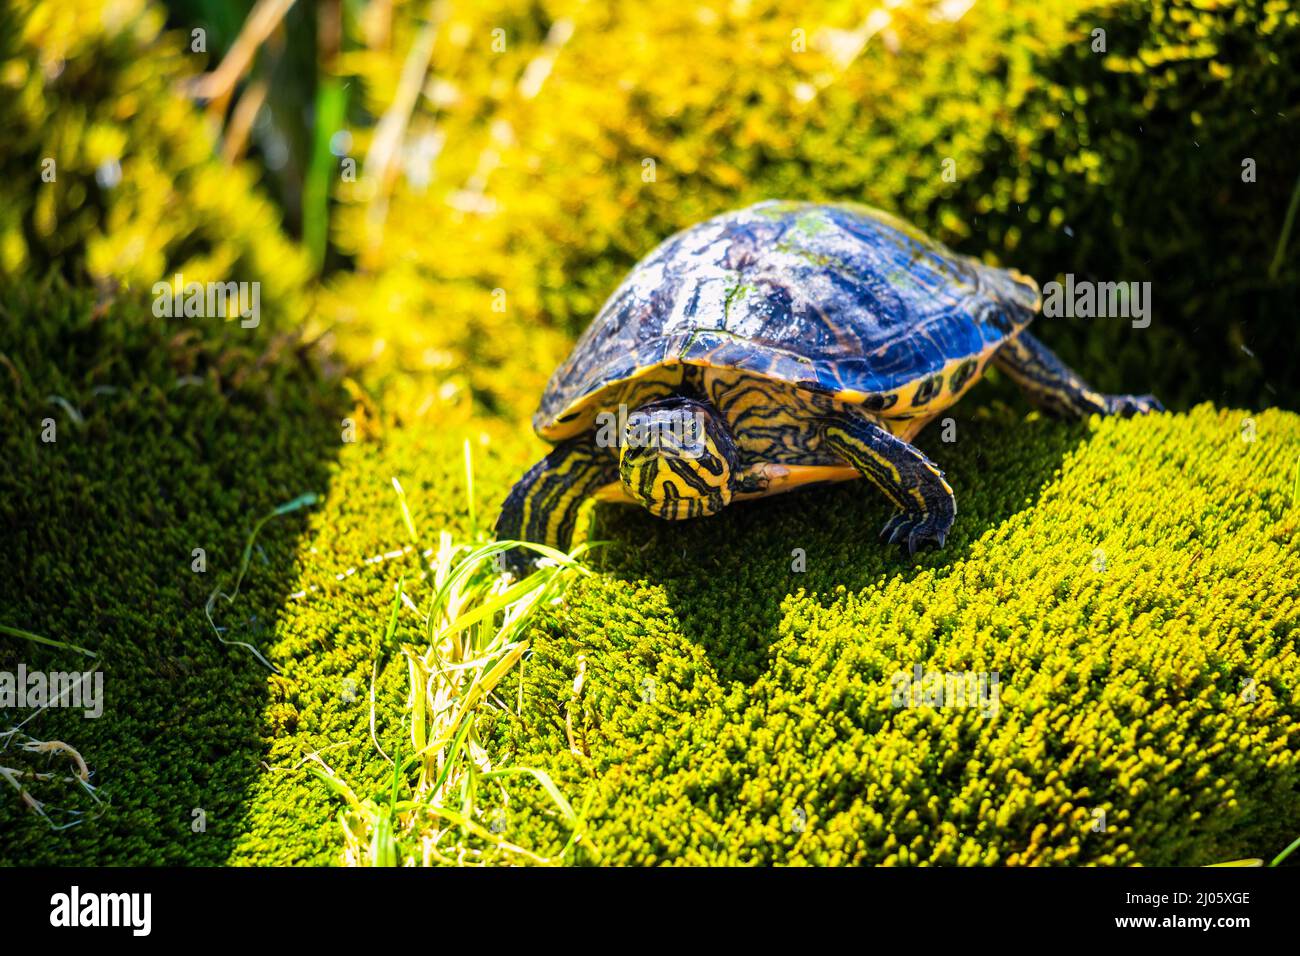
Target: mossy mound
<point>1133,584</point>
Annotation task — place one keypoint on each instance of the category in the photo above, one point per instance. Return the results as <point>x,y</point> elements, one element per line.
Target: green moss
<point>183,434</point>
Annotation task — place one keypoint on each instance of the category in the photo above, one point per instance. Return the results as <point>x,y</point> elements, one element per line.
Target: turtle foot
<point>911,530</point>
<point>1126,406</point>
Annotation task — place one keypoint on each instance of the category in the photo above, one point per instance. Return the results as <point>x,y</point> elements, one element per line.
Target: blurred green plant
<point>109,174</point>
<point>277,94</point>
<point>268,110</point>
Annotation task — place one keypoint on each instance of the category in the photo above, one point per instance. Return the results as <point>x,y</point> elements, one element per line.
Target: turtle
<point>779,346</point>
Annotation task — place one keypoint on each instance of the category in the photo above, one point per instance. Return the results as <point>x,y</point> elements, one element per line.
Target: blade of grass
<point>410,525</point>
<point>302,501</point>
<point>28,635</point>
<point>543,778</point>
<point>1279,254</point>
<point>469,492</point>
<point>1285,853</point>
<point>456,744</point>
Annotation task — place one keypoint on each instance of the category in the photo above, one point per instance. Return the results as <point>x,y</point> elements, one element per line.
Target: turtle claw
<point>911,545</point>
<point>889,533</point>
<point>1126,406</point>
<point>912,530</point>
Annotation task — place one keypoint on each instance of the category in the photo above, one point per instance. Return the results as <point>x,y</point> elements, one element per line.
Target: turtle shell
<point>834,298</point>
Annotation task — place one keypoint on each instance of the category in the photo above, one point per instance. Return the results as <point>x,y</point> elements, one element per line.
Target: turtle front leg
<point>1051,385</point>
<point>543,505</point>
<point>925,502</point>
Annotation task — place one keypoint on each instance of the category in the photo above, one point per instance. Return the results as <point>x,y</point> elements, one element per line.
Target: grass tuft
<point>445,800</point>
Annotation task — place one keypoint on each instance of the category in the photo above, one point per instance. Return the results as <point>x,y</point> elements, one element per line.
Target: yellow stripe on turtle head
<point>678,460</point>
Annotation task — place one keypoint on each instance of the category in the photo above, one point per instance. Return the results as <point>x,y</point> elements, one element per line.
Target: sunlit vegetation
<point>1134,585</point>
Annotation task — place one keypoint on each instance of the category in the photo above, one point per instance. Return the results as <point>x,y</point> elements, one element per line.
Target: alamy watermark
<point>1098,300</point>
<point>35,690</point>
<point>74,908</point>
<point>943,689</point>
<point>212,300</point>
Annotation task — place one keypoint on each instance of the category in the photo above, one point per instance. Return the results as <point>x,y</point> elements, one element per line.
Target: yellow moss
<point>107,170</point>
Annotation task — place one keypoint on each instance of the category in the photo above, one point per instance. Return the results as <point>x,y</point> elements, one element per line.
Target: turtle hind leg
<point>925,502</point>
<point>543,505</point>
<point>1054,387</point>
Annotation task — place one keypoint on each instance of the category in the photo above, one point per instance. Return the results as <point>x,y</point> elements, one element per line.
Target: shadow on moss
<point>170,436</point>
<point>726,577</point>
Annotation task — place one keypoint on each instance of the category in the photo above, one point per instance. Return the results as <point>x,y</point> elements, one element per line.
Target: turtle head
<point>678,459</point>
